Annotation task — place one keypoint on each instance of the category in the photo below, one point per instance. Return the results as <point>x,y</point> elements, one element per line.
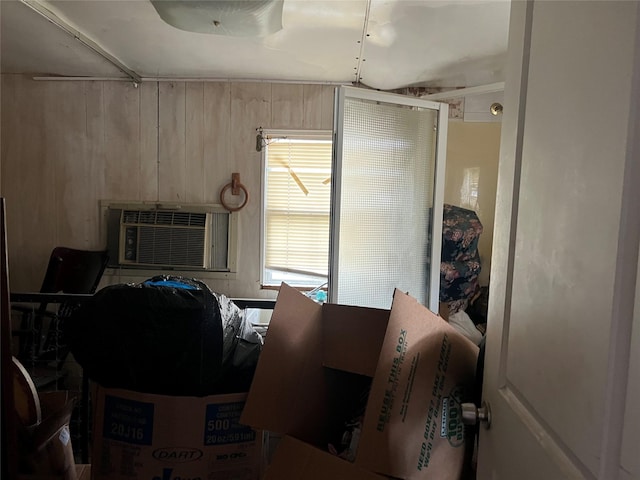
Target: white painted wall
<point>471,176</point>
<point>68,144</point>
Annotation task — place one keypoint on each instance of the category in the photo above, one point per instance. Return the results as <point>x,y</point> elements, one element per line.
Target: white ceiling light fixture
<point>238,18</point>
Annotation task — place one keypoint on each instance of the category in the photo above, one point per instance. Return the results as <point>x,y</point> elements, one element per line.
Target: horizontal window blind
<point>297,205</point>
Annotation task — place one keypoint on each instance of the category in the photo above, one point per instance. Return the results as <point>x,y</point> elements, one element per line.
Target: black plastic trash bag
<point>162,336</point>
<point>167,335</point>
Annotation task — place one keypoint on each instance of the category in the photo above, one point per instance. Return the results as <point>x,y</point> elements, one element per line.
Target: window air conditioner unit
<point>180,237</point>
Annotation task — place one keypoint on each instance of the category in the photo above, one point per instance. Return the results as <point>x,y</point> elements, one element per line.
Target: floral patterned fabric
<point>461,229</point>
<point>459,280</point>
<point>460,262</point>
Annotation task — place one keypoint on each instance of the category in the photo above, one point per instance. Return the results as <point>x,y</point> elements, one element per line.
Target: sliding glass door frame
<point>342,93</point>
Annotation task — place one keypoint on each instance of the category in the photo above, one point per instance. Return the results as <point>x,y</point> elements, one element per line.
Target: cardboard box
<point>83,472</point>
<point>321,365</point>
<point>138,436</point>
<point>45,448</point>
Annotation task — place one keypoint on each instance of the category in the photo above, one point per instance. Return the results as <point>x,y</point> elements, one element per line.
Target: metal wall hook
<point>236,187</point>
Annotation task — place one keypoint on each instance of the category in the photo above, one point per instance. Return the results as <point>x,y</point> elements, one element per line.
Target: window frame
<point>269,134</point>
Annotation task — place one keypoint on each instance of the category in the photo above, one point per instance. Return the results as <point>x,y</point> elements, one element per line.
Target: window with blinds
<point>297,196</point>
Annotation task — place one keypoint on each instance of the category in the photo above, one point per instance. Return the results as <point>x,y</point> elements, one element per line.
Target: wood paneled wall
<point>68,144</point>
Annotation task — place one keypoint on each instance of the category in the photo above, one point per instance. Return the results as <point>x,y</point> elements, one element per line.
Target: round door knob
<point>471,414</point>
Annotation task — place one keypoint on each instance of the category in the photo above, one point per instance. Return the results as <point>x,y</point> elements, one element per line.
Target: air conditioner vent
<point>171,246</point>
<point>163,217</point>
<point>189,237</point>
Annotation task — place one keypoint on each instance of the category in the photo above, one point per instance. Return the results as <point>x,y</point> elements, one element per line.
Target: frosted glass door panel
<point>385,205</point>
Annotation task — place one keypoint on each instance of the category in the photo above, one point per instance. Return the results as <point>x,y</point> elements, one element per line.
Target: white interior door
<point>562,372</point>
<point>386,206</point>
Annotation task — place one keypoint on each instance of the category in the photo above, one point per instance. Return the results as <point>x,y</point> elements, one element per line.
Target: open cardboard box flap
<point>352,337</point>
<point>319,361</point>
<point>287,393</point>
<point>426,369</point>
<point>289,390</point>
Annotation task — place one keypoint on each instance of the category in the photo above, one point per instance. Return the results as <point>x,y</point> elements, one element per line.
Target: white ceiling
<point>389,44</point>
